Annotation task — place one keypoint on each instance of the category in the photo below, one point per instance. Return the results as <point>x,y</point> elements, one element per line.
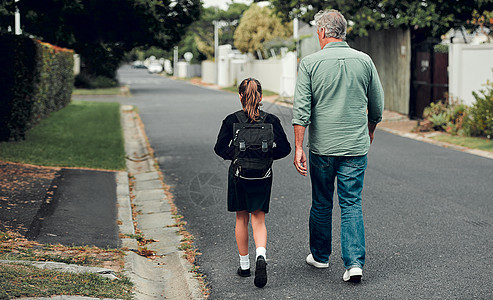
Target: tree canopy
<point>430,18</point>
<point>257,27</point>
<point>6,15</point>
<point>104,30</point>
<point>203,29</point>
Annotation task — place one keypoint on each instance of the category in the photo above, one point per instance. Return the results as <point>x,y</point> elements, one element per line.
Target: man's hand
<point>299,154</point>
<point>371,130</point>
<point>300,161</point>
<point>371,137</point>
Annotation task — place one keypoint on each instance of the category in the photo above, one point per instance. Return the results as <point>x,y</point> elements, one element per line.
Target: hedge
<point>35,79</point>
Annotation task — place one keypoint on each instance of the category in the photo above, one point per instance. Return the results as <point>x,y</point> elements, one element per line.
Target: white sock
<point>261,251</point>
<point>244,262</point>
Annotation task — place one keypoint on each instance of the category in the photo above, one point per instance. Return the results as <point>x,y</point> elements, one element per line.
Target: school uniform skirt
<point>249,195</point>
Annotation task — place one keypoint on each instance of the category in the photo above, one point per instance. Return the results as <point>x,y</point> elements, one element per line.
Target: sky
<point>223,4</point>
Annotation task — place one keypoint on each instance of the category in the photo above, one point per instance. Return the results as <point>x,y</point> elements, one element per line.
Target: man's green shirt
<point>337,93</point>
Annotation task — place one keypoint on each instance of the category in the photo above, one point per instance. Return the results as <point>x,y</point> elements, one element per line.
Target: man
<point>339,96</point>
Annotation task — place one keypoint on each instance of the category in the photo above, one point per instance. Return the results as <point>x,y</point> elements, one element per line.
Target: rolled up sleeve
<point>302,98</point>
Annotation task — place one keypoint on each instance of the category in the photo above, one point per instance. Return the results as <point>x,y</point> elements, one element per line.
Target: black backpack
<point>253,144</point>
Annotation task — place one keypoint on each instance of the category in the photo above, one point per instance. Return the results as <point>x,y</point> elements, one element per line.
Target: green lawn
<point>83,134</point>
<point>108,91</point>
<point>469,142</point>
<point>17,280</point>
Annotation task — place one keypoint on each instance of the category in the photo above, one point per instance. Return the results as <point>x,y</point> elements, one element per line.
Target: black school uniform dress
<point>243,194</point>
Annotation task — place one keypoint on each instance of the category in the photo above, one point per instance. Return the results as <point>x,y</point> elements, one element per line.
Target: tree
<point>258,26</point>
<point>426,18</point>
<point>102,31</point>
<point>7,9</point>
<point>203,29</point>
<point>484,20</point>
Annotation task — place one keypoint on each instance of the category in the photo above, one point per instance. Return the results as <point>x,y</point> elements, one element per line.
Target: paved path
<point>428,210</point>
<point>82,211</point>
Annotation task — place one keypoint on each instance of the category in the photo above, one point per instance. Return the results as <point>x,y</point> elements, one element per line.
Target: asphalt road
<point>428,210</point>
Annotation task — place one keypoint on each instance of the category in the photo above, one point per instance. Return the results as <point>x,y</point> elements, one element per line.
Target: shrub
<point>447,117</point>
<point>439,121</point>
<point>16,84</point>
<point>86,81</point>
<point>481,115</point>
<point>35,79</point>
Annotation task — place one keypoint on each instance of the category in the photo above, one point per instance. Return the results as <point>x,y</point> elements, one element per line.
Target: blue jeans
<point>350,172</point>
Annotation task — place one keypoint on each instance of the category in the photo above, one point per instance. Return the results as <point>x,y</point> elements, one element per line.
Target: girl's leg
<point>260,237</point>
<point>241,231</point>
<point>259,229</point>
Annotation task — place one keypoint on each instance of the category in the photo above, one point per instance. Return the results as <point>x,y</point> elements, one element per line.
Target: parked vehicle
<point>138,65</point>
<point>155,67</point>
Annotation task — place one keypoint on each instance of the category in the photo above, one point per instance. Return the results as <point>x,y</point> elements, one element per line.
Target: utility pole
<point>17,18</point>
<point>175,61</point>
<point>296,36</point>
<point>216,47</point>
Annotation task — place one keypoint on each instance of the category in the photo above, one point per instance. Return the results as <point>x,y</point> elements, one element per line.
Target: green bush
<point>17,75</point>
<point>35,79</point>
<point>85,81</point>
<point>481,115</point>
<point>447,117</point>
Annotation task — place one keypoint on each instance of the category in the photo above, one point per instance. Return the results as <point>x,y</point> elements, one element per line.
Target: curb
<point>168,276</point>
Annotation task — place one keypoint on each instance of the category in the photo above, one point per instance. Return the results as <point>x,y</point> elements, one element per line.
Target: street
<point>427,209</point>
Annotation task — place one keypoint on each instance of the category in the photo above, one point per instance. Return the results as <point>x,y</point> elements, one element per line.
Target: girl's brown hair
<point>250,92</point>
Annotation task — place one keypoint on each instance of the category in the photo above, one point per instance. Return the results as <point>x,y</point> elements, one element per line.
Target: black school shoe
<point>260,272</point>
<point>244,273</point>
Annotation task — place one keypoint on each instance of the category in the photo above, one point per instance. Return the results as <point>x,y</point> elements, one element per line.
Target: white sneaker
<point>312,262</point>
<point>353,274</point>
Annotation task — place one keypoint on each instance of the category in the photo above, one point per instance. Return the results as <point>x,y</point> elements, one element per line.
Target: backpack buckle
<point>242,146</point>
<point>264,146</point>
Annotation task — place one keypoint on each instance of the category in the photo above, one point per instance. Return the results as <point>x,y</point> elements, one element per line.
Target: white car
<point>155,67</point>
<point>138,65</point>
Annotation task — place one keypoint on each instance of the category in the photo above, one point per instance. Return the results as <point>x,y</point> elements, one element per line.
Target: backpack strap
<point>242,117</point>
<point>263,115</point>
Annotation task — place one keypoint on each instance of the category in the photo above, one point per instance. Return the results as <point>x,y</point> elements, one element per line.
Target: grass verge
<point>92,92</point>
<point>469,142</point>
<point>83,134</point>
<point>18,280</point>
<point>13,246</point>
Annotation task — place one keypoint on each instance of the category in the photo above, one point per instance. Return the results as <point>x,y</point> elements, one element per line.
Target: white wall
<point>181,69</point>
<point>275,74</point>
<point>469,68</point>
<point>187,70</point>
<point>208,71</point>
<point>76,64</point>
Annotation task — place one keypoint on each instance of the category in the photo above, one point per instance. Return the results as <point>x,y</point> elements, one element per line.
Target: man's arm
<point>299,155</point>
<point>375,102</point>
<point>301,116</point>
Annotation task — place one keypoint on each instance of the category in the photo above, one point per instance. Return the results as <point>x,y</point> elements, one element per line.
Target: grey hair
<point>334,23</point>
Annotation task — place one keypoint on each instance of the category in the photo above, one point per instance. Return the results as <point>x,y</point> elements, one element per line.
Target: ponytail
<point>250,92</point>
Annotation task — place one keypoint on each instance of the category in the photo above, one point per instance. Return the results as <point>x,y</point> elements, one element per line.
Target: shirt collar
<point>342,44</point>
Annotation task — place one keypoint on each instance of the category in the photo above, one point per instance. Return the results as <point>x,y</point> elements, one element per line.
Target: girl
<point>245,196</point>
